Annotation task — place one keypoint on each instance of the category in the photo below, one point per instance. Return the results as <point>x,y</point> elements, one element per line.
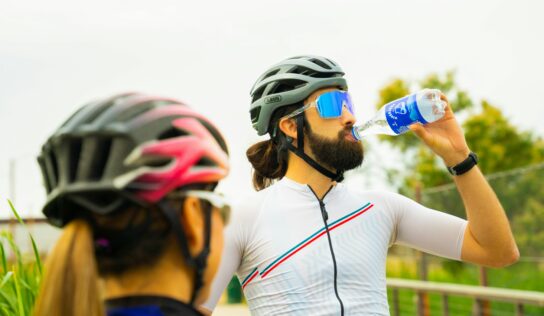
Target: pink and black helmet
<point>130,148</point>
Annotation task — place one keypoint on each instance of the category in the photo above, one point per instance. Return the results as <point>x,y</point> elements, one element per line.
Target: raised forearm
<point>493,243</point>
<point>488,239</point>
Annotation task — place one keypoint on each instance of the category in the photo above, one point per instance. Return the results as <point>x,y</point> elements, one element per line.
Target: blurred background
<point>486,56</point>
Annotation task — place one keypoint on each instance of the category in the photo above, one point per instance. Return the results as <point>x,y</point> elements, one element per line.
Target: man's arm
<point>488,239</point>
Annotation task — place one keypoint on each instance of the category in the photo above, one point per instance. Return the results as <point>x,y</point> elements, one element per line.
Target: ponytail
<point>70,285</point>
<point>269,158</point>
<point>269,163</point>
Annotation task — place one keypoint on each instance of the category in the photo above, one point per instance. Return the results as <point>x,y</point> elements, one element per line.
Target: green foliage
<point>528,227</point>
<point>396,89</point>
<point>234,291</point>
<point>499,145</point>
<point>445,83</point>
<point>19,278</point>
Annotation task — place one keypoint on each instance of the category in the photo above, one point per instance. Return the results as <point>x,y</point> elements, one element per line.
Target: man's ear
<point>289,127</point>
<point>192,221</point>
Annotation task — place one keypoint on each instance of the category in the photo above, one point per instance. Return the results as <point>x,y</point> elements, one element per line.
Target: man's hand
<point>444,137</point>
<point>488,239</point>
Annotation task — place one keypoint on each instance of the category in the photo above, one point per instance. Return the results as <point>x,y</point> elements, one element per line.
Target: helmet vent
<point>258,94</point>
<point>172,133</point>
<point>288,85</point>
<point>255,114</point>
<point>46,175</point>
<point>157,162</point>
<point>48,165</point>
<point>137,109</point>
<point>205,162</point>
<point>73,159</point>
<point>55,166</point>
<point>97,200</point>
<point>320,63</point>
<point>312,73</point>
<point>80,110</point>
<point>216,134</point>
<point>99,109</point>
<point>302,71</point>
<point>270,74</point>
<point>102,153</point>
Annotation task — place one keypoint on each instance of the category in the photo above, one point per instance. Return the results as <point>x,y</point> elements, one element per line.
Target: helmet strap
<point>199,262</point>
<point>299,151</point>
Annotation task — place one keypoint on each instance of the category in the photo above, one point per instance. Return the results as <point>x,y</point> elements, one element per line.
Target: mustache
<point>346,131</point>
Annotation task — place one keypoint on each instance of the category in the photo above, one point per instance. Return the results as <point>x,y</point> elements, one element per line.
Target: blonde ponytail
<point>70,285</point>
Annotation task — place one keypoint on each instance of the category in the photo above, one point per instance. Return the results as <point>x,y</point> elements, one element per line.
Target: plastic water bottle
<point>424,107</point>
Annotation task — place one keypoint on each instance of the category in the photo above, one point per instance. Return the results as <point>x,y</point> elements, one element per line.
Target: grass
<point>19,278</point>
<point>523,276</point>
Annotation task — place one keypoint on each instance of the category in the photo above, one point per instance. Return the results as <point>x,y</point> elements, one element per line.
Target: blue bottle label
<point>402,113</point>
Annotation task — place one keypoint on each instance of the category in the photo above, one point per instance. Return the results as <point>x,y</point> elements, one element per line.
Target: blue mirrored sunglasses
<point>329,105</point>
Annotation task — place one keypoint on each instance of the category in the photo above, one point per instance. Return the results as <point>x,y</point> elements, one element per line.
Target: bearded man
<point>306,244</point>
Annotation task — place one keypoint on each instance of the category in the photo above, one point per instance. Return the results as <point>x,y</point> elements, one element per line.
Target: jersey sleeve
<point>425,229</point>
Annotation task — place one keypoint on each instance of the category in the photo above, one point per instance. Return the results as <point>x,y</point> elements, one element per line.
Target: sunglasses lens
<point>348,103</point>
<point>330,104</point>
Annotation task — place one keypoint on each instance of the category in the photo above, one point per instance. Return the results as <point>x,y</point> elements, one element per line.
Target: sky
<point>57,55</point>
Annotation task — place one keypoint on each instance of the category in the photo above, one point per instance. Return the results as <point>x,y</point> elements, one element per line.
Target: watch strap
<point>465,165</point>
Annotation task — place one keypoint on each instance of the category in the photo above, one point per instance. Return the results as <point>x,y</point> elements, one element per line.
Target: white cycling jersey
<point>278,245</point>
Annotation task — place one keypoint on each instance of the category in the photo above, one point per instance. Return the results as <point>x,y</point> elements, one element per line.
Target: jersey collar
<point>305,189</point>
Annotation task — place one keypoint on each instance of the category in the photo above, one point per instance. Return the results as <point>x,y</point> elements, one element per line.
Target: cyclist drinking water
<point>306,244</point>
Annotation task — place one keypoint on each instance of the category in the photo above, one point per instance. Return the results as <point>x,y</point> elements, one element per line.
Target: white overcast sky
<point>57,55</point>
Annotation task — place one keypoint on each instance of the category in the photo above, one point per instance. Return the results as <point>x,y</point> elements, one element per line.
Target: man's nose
<point>347,117</point>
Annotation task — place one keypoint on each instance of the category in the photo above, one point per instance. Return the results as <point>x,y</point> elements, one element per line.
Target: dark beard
<point>339,153</point>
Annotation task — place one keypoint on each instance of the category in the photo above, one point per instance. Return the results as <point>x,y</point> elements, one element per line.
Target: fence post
<point>486,305</point>
<point>396,306</point>
<point>445,307</point>
<point>423,297</point>
<point>519,309</point>
<point>478,307</point>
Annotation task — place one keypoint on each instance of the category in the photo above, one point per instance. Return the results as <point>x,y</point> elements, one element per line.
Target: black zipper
<point>325,217</point>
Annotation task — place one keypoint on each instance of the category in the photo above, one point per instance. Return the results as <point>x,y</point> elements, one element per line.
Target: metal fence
<point>479,294</point>
<point>44,234</point>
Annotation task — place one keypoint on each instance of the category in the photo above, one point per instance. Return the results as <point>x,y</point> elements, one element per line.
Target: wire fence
<point>494,176</point>
<point>521,192</point>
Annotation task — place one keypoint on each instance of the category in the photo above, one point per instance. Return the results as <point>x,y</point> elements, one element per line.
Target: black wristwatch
<point>464,165</point>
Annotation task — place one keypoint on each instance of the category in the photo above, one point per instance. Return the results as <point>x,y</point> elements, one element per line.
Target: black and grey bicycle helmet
<point>128,147</point>
<point>289,82</point>
<point>132,149</point>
